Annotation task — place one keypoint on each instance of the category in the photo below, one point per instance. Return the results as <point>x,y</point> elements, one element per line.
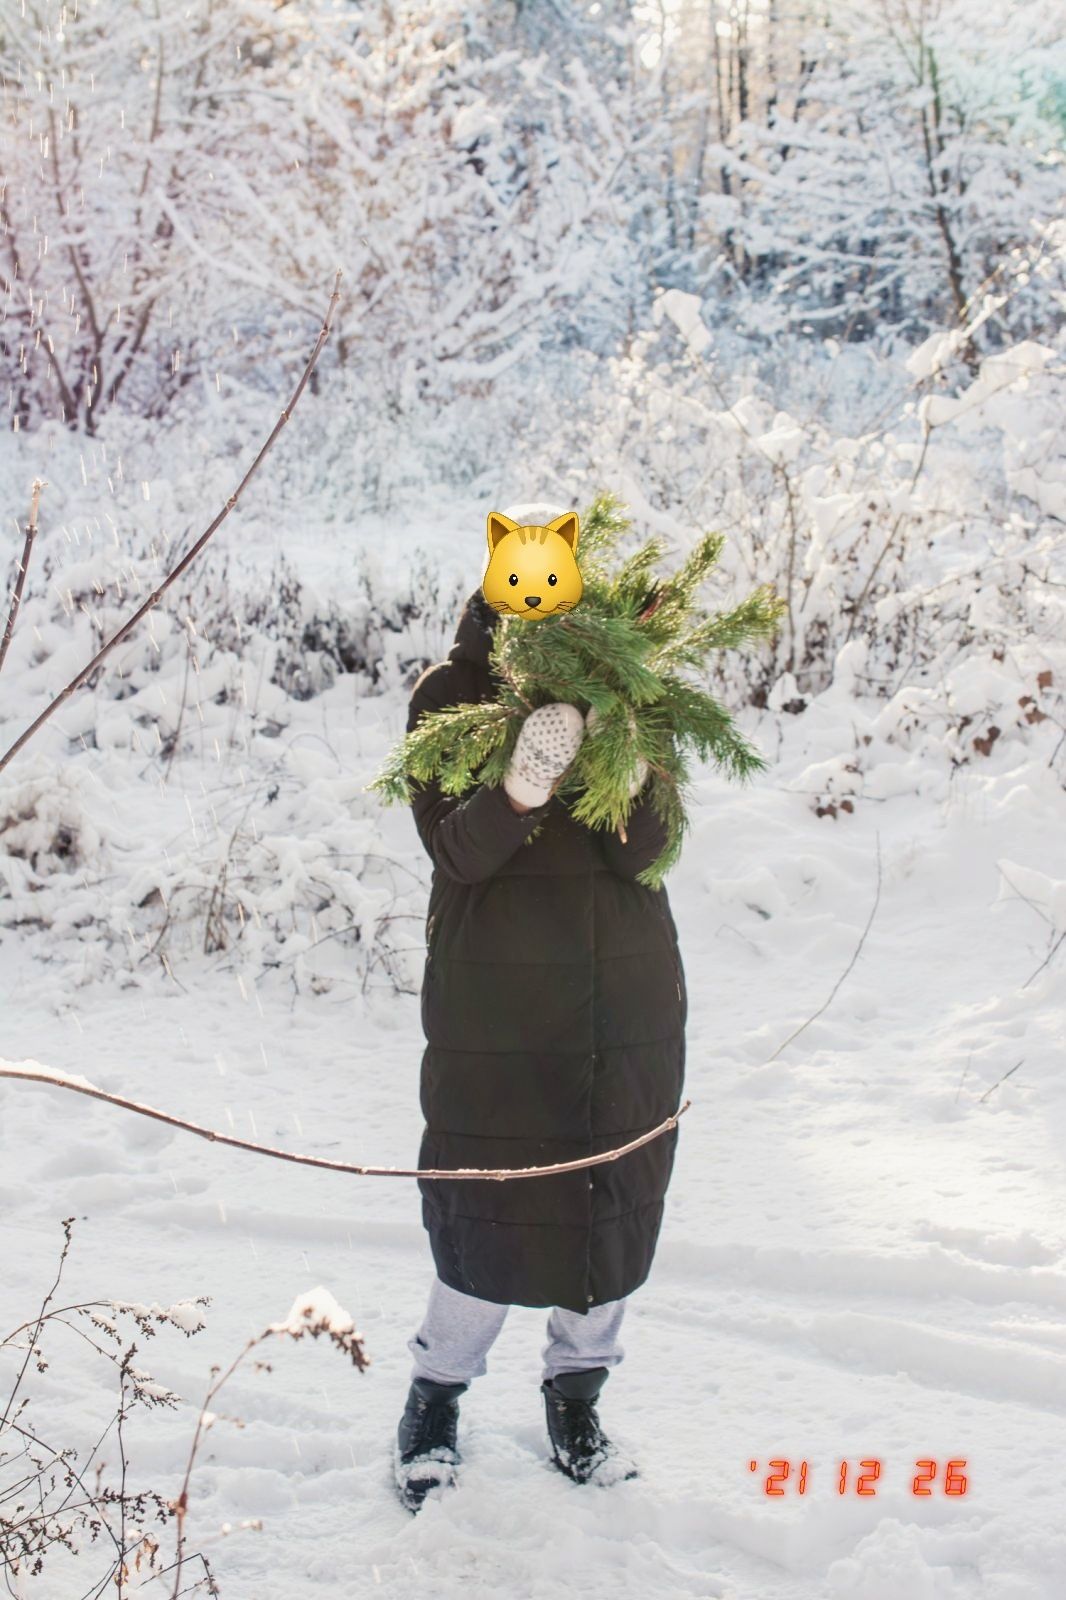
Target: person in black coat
<point>554,1008</point>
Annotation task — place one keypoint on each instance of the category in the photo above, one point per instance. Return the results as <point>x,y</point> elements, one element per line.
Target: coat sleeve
<point>468,837</point>
<point>646,838</point>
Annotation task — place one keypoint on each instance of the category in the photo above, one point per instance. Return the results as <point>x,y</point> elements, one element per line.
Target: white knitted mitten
<point>548,741</point>
<point>640,777</point>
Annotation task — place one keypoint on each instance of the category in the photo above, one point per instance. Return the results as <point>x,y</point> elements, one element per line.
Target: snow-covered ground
<point>863,1250</point>
<point>572,258</point>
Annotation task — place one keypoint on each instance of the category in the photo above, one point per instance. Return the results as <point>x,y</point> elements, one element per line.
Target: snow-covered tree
<point>876,164</point>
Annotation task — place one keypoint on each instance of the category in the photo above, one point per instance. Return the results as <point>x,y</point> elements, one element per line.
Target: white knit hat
<point>528,514</point>
<point>534,513</point>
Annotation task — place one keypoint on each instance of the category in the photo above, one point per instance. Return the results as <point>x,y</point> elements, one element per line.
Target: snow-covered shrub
<point>212,768</point>
<point>377,634</point>
<point>277,863</point>
<point>43,823</point>
<point>59,842</point>
<point>886,537</point>
<point>297,885</point>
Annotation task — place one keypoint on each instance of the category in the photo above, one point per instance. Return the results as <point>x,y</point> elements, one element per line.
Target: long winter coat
<point>554,1009</point>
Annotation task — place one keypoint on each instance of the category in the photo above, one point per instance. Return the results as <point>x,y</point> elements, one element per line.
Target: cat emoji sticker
<point>532,570</point>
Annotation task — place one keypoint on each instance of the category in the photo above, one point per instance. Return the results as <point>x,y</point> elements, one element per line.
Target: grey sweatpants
<point>458,1331</point>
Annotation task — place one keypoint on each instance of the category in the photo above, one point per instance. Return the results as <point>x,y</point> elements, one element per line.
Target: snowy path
<point>860,1258</point>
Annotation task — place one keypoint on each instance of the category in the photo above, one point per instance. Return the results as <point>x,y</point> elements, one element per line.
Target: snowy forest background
<point>791,271</point>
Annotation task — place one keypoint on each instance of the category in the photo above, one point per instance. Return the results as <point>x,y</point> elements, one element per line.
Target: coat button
<point>590,1299</point>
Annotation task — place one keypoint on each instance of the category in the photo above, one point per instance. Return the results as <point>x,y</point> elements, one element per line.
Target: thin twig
<point>121,1574</point>
<point>180,1506</point>
<point>1045,961</point>
<point>181,711</point>
<point>1023,897</point>
<point>506,673</point>
<point>80,678</point>
<point>847,969</point>
<point>1006,1075</point>
<point>962,1080</point>
<point>41,1319</point>
<point>343,1166</point>
<point>79,1482</point>
<point>16,598</point>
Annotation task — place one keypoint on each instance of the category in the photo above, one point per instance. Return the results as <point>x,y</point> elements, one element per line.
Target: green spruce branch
<point>622,651</point>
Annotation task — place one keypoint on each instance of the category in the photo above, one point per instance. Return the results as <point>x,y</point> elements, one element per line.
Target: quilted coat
<point>554,1008</point>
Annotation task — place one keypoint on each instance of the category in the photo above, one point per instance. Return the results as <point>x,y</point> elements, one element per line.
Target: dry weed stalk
<point>33,1522</point>
<point>16,596</point>
<point>40,1508</point>
<point>315,1314</point>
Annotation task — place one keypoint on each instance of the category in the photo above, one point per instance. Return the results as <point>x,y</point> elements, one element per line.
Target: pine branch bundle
<point>622,651</point>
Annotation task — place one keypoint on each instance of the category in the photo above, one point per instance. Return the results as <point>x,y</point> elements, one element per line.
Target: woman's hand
<point>549,739</point>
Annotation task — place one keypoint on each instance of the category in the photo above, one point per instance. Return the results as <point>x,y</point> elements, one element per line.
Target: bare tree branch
<point>344,1166</point>
<point>153,598</point>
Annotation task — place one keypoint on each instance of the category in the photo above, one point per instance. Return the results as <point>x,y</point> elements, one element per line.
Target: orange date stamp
<point>929,1477</point>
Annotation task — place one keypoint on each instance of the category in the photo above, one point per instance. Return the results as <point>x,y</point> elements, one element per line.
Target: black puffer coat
<point>554,1009</point>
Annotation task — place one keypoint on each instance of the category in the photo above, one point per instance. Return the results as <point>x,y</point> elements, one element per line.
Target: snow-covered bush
<point>281,865</point>
<point>202,796</point>
<point>45,824</point>
<point>886,537</point>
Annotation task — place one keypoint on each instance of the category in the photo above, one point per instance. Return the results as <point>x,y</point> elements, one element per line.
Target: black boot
<point>579,1446</point>
<point>426,1454</point>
